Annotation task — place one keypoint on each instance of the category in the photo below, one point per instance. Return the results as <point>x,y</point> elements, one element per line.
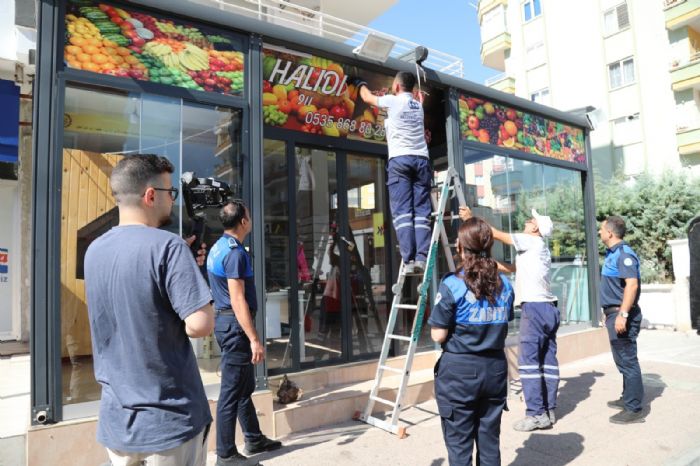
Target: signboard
<point>493,123</point>
<point>313,94</point>
<point>121,42</point>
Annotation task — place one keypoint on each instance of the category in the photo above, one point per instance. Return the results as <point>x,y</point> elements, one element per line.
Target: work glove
<point>357,82</point>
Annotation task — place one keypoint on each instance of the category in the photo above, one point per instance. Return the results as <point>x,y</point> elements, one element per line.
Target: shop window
<point>100,128</point>
<point>621,73</point>
<point>511,188</point>
<point>616,19</point>
<point>531,9</point>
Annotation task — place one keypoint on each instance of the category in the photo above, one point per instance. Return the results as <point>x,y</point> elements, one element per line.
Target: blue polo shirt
<point>229,259</point>
<point>474,325</point>
<point>621,262</point>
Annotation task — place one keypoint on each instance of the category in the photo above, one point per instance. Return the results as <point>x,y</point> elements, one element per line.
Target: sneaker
<point>617,404</point>
<point>552,416</point>
<point>419,267</point>
<point>408,267</point>
<point>259,446</point>
<point>236,460</point>
<point>530,423</point>
<point>627,417</point>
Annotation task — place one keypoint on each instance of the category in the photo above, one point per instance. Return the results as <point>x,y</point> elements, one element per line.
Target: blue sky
<point>450,26</point>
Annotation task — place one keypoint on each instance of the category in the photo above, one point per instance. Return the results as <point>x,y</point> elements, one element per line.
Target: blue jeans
<point>624,351</point>
<point>470,390</point>
<point>409,179</point>
<point>537,356</point>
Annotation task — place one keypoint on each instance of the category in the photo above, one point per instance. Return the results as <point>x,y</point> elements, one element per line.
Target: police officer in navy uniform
<point>470,320</point>
<point>619,297</point>
<point>233,287</point>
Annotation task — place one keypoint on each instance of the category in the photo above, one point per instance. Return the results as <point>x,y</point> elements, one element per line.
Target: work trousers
<point>624,351</point>
<point>537,356</point>
<point>470,390</point>
<point>409,180</point>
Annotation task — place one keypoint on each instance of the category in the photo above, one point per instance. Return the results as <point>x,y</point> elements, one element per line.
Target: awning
<point>9,121</point>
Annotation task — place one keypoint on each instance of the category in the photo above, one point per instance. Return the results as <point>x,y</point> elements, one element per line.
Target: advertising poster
<point>313,94</point>
<point>493,123</point>
<point>120,42</point>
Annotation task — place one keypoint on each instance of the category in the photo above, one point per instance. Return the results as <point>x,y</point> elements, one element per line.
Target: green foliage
<point>655,209</point>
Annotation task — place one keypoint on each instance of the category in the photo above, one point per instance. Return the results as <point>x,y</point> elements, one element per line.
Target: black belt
<point>607,310</point>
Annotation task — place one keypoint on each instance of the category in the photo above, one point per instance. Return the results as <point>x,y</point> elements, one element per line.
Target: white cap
<point>544,224</point>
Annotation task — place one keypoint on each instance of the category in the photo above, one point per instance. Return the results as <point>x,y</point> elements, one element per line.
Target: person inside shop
<point>538,366</point>
<point>233,287</point>
<point>146,298</point>
<point>470,320</point>
<point>409,173</point>
<point>619,298</point>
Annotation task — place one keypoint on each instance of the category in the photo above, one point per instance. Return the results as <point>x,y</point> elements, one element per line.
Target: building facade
<point>630,59</point>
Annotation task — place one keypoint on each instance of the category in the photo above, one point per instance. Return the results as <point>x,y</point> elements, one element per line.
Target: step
<point>338,403</point>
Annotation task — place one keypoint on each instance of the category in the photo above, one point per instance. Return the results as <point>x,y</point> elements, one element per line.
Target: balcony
<point>494,50</point>
<point>680,13</point>
<point>685,74</point>
<point>688,141</point>
<point>488,5</point>
<point>501,82</point>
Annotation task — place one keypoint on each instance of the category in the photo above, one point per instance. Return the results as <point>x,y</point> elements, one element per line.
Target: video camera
<point>199,194</point>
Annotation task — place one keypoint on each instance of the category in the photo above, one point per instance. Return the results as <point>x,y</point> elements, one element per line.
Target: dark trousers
<point>537,356</point>
<point>237,385</point>
<point>409,179</point>
<point>470,390</point>
<point>624,351</point>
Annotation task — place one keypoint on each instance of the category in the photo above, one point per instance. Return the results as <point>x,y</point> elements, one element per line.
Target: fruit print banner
<point>492,123</point>
<point>109,40</point>
<point>308,93</point>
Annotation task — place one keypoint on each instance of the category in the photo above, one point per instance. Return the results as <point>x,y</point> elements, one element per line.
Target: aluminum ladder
<point>439,196</point>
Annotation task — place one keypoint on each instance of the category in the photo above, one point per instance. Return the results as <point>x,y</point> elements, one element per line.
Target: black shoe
<point>617,404</point>
<point>236,460</point>
<point>627,417</point>
<point>259,446</point>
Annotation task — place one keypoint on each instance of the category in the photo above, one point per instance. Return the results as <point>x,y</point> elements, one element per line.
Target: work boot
<point>261,445</point>
<point>627,417</point>
<point>552,416</point>
<point>236,460</point>
<point>530,423</point>
<point>419,267</point>
<point>617,404</point>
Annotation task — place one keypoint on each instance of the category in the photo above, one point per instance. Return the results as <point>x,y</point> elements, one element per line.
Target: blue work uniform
<point>621,263</point>
<point>471,375</point>
<point>228,259</point>
<point>409,175</point>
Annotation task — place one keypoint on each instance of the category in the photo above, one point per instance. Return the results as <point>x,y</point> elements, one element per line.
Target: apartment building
<point>635,61</point>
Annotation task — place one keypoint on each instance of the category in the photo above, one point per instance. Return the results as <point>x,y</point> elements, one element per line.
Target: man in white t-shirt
<point>537,354</point>
<point>409,174</point>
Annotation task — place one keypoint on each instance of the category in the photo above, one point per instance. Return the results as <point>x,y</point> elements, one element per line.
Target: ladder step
<point>399,337</point>
<point>383,401</point>
<point>407,306</point>
<point>382,424</point>
<point>391,369</point>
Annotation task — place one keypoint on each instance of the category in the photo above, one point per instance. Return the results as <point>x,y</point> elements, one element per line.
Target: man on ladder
<point>409,174</point>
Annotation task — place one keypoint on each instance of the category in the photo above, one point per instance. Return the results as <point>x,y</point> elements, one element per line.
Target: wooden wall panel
<point>85,196</point>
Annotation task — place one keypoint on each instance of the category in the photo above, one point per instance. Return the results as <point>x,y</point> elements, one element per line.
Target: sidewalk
<point>582,436</point>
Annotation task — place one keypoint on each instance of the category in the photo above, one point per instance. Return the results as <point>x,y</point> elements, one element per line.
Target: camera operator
<point>233,287</point>
<point>145,297</point>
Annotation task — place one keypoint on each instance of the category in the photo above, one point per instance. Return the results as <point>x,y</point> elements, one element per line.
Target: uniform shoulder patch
<point>438,298</point>
<point>628,261</point>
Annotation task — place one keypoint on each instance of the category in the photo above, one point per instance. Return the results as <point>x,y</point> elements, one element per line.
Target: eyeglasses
<point>173,192</point>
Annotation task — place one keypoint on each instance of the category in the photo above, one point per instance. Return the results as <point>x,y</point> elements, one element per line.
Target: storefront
<point>270,112</point>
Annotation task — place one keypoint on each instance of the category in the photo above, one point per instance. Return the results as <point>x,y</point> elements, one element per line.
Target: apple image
<point>473,122</point>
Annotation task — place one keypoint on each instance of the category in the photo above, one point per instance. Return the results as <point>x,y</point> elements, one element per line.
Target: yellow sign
<point>378,223</point>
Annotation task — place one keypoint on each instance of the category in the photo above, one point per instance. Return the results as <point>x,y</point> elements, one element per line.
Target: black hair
<point>616,225</point>
<point>132,175</point>
<point>406,80</point>
<point>232,213</point>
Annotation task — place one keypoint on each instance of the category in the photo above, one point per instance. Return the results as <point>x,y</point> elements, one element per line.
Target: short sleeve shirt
<point>228,259</point>
<point>621,262</point>
<point>141,283</point>
<point>474,325</point>
<point>532,266</point>
<point>405,130</point>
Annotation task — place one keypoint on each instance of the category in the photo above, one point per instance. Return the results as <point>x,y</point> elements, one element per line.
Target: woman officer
<point>470,319</point>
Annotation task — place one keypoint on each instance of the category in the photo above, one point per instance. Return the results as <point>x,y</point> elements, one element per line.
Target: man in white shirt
<point>409,174</point>
<point>537,354</point>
